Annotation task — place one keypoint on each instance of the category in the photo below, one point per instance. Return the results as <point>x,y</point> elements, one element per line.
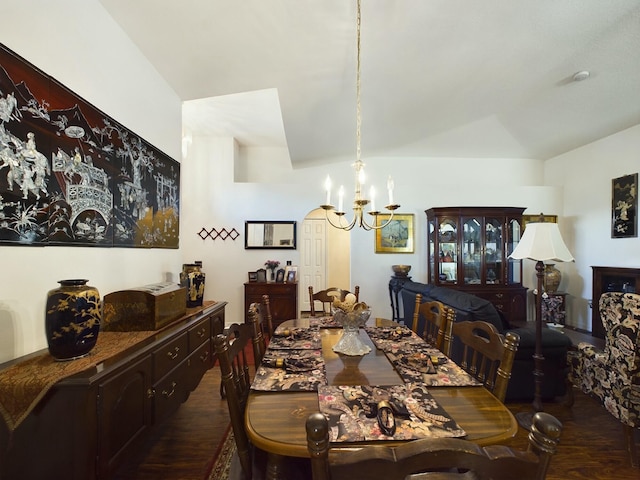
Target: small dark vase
<point>72,320</point>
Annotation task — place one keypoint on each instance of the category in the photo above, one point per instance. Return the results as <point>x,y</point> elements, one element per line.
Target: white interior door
<point>313,254</point>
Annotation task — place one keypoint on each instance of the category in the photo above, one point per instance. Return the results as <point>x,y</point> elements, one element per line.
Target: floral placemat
<point>353,413</point>
<point>422,363</point>
<point>416,361</point>
<point>291,370</point>
<point>296,339</point>
<point>387,338</point>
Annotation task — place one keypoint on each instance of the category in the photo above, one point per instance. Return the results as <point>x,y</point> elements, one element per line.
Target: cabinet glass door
<point>493,253</point>
<point>471,250</point>
<point>514,267</point>
<point>432,250</point>
<point>448,258</point>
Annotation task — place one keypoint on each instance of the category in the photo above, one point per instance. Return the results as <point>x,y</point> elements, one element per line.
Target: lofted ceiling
<point>450,78</point>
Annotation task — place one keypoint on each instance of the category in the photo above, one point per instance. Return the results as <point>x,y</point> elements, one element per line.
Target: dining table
<point>275,420</point>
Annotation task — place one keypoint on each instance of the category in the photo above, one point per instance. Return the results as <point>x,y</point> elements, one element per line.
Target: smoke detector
<point>582,75</point>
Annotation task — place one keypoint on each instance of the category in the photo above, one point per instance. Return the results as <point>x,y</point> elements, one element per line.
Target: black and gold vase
<point>192,277</point>
<point>552,277</point>
<point>72,320</point>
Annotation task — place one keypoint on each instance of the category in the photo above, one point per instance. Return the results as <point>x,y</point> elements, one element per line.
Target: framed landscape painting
<point>396,236</point>
<point>540,218</point>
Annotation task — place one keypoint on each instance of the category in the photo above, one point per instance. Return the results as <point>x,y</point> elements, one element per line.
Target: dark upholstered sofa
<point>469,307</point>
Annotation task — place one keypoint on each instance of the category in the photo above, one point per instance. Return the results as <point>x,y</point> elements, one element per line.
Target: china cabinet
<point>468,249</point>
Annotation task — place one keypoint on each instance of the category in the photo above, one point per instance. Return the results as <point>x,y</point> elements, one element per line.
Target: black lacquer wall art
<point>71,175</point>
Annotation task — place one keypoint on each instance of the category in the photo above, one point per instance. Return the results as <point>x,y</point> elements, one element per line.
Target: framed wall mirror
<point>272,234</point>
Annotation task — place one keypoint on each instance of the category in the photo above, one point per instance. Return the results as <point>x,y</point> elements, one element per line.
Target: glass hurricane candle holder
<point>350,343</point>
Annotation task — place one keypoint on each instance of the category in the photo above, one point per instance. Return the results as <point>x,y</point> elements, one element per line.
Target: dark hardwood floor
<point>592,443</point>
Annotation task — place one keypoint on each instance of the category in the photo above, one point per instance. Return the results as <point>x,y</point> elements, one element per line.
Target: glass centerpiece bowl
<point>350,343</point>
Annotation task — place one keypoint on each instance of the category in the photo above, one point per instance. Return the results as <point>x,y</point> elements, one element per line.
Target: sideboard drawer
<point>170,392</point>
<point>199,333</point>
<point>170,355</point>
<point>197,364</point>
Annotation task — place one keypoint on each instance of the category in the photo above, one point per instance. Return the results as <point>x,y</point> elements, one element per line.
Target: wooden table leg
<point>275,467</point>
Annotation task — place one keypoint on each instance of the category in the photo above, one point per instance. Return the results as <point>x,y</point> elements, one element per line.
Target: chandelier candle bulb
<point>340,197</point>
<point>390,189</point>
<point>327,186</point>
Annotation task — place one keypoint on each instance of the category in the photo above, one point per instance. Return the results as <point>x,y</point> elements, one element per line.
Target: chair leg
<point>629,433</point>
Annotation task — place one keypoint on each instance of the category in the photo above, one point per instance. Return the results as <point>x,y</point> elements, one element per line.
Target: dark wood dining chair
<point>486,354</point>
<point>266,319</point>
<point>236,381</point>
<point>326,298</point>
<point>259,345</point>
<point>433,458</point>
<point>436,324</point>
<point>255,321</point>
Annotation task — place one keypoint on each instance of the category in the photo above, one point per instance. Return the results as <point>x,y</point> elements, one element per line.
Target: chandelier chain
<point>360,201</point>
<point>358,110</point>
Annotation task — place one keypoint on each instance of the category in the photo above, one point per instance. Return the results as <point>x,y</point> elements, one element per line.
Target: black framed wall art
<point>624,206</point>
<point>71,175</point>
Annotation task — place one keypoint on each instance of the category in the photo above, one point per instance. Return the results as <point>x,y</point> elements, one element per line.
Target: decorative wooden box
<point>150,307</point>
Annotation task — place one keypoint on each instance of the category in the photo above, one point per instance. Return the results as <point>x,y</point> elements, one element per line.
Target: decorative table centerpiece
<point>351,315</point>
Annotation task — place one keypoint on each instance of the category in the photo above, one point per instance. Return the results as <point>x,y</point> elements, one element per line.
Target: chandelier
<point>359,201</point>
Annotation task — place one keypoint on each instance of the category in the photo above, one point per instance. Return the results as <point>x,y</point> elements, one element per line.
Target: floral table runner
<point>353,413</point>
<point>24,384</point>
<point>291,370</point>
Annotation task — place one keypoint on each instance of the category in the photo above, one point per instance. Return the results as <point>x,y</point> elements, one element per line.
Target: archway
<point>325,256</point>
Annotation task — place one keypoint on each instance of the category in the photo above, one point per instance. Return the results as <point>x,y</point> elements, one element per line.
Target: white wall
<point>586,174</point>
<point>213,200</point>
<point>77,43</point>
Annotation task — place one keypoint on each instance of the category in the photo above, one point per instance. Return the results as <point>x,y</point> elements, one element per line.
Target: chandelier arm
<point>340,226</point>
<point>381,226</point>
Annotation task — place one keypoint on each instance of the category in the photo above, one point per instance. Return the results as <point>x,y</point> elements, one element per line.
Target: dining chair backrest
<point>486,354</point>
<point>266,319</point>
<point>327,296</point>
<point>433,458</point>
<point>231,349</point>
<point>254,319</point>
<point>437,318</point>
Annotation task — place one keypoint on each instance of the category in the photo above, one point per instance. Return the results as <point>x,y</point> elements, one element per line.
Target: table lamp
<point>540,242</point>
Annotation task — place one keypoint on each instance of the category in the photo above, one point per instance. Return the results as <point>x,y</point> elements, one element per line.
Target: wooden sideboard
<point>283,299</point>
<point>610,279</point>
<point>87,423</point>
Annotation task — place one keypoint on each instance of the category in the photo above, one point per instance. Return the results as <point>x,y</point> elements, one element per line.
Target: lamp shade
<point>542,241</point>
